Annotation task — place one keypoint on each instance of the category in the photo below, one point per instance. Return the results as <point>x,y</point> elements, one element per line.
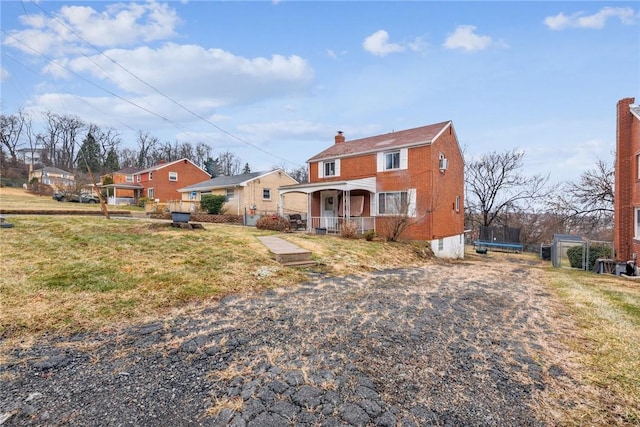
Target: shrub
<point>370,235</point>
<point>142,202</point>
<point>212,203</point>
<point>595,251</point>
<point>272,222</point>
<point>348,229</point>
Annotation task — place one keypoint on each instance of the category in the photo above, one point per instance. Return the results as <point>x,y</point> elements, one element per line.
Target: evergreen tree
<point>89,155</point>
<point>212,166</point>
<point>246,169</point>
<point>111,163</point>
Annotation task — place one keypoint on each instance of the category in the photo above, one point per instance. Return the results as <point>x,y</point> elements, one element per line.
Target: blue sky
<point>272,82</point>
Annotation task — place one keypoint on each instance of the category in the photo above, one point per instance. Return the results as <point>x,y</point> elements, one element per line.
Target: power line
<point>194,114</point>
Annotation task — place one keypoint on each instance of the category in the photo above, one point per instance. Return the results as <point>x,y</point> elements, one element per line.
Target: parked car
<point>77,198</point>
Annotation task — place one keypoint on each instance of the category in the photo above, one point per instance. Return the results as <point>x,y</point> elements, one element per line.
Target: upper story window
<point>266,194</point>
<point>637,227</point>
<point>138,178</point>
<point>173,176</point>
<point>329,168</point>
<point>230,193</point>
<point>128,178</point>
<point>638,165</point>
<point>150,176</point>
<point>457,204</point>
<point>392,160</point>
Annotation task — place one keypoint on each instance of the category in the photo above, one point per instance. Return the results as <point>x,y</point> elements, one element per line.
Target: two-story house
<point>627,181</point>
<point>162,181</point>
<point>412,178</point>
<point>57,178</point>
<point>120,186</point>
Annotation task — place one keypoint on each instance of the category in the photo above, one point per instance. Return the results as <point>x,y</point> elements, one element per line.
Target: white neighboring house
<point>29,156</point>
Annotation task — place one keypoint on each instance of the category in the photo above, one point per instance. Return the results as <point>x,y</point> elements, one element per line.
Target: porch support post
<point>346,201</point>
<point>280,205</point>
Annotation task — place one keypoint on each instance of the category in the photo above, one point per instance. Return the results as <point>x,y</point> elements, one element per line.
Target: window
<point>443,163</point>
<point>330,169</point>
<point>638,165</point>
<point>173,176</point>
<point>129,178</point>
<point>150,193</point>
<point>637,227</point>
<point>138,178</point>
<point>230,194</point>
<point>440,244</point>
<point>150,176</point>
<point>392,160</point>
<point>266,194</point>
<point>457,203</point>
<point>393,203</point>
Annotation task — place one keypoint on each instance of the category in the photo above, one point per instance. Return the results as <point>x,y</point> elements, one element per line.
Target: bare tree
<point>300,174</point>
<point>146,147</point>
<point>587,204</point>
<point>202,153</point>
<point>11,128</point>
<point>61,139</point>
<point>107,138</point>
<point>495,185</point>
<point>229,163</point>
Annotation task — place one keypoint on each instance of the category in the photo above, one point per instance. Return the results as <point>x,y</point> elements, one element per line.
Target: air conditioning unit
<point>444,164</point>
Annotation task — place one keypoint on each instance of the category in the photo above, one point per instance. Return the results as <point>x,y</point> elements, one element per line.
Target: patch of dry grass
<point>67,273</point>
<point>605,312</point>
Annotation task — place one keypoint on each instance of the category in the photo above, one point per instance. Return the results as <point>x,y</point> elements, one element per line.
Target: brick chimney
<point>339,137</point>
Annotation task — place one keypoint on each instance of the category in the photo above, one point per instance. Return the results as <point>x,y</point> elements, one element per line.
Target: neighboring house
<point>162,181</point>
<point>256,191</point>
<point>123,189</point>
<point>627,181</point>
<point>29,156</point>
<point>57,178</point>
<point>416,174</point>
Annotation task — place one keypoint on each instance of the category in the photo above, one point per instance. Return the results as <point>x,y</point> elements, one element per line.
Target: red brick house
<point>123,189</point>
<point>162,181</point>
<point>417,174</point>
<point>626,228</point>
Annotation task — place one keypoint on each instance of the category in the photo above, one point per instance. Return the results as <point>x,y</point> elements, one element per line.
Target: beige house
<point>251,193</point>
<point>57,178</point>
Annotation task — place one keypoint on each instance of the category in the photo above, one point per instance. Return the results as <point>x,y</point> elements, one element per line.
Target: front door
<point>329,210</point>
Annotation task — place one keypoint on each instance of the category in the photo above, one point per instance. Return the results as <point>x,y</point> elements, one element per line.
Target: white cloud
<point>464,37</point>
<point>378,44</point>
<point>4,74</point>
<point>594,22</point>
<point>208,78</point>
<point>121,24</point>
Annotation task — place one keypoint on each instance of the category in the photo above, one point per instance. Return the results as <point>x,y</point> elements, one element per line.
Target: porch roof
<point>368,184</point>
<point>122,186</point>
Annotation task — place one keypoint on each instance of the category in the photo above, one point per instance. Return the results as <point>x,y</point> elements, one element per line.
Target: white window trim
<point>411,200</point>
<point>266,189</point>
<point>151,194</point>
<point>233,194</point>
<point>381,160</point>
<point>128,178</point>
<point>636,223</point>
<point>150,176</point>
<point>321,173</point>
<point>175,174</point>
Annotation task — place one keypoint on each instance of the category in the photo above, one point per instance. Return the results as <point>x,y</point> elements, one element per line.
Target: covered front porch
<point>122,194</point>
<point>332,204</point>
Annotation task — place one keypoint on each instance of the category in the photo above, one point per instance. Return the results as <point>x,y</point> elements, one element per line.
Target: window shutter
<point>373,200</point>
<point>320,169</point>
<point>404,158</point>
<point>337,164</point>
<point>380,159</point>
<point>411,211</point>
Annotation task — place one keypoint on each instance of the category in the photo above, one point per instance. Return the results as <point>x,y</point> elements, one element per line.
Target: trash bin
<point>321,230</point>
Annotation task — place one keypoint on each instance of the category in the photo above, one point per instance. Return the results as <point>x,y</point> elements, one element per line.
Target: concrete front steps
<point>287,253</point>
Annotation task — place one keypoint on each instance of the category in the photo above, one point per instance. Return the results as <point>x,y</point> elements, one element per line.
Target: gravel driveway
<point>460,344</point>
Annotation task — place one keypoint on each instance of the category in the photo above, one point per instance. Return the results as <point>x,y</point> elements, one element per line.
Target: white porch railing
<point>334,224</point>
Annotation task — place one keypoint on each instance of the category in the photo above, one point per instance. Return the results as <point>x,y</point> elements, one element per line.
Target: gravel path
<point>452,344</point>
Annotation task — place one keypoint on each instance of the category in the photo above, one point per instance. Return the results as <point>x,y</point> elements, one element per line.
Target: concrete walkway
<point>287,253</point>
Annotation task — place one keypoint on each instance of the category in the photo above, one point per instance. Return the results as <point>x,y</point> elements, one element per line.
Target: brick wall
<point>627,185</point>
